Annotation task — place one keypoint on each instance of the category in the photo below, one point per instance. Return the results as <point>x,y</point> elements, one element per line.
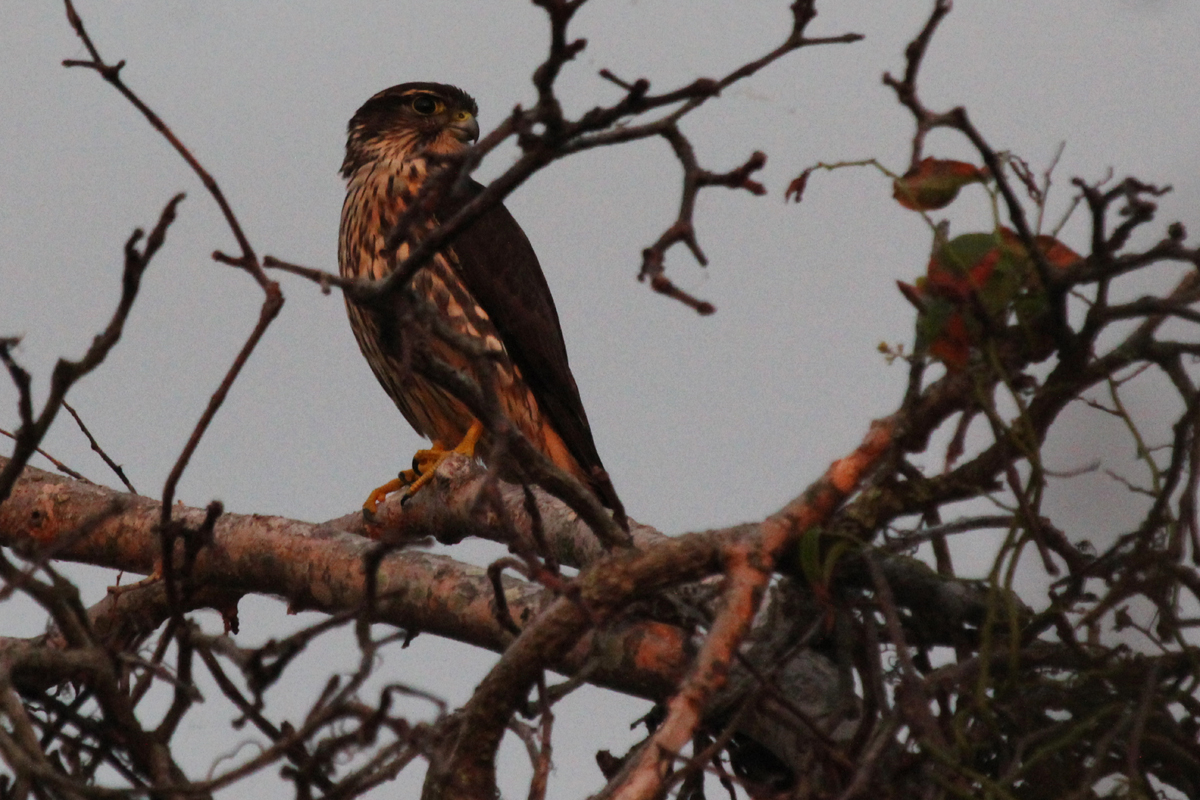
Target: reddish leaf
<point>978,282</point>
<point>934,183</point>
<point>963,266</point>
<point>1057,254</point>
<point>952,344</point>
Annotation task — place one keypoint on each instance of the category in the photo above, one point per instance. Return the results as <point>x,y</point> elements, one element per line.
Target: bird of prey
<point>486,287</point>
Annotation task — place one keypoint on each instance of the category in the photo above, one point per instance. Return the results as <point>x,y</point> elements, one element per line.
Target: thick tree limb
<point>316,567</point>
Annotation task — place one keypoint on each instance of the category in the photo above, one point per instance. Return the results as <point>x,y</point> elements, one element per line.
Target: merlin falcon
<point>498,324</point>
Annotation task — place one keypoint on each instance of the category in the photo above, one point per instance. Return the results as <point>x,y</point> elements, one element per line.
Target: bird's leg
<point>425,464</point>
<point>422,461</point>
<point>406,478</point>
<point>371,504</point>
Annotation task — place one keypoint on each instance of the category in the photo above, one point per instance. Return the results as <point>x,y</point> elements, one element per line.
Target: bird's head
<point>411,119</point>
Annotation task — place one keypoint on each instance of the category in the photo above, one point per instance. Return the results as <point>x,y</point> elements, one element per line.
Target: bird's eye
<point>425,105</point>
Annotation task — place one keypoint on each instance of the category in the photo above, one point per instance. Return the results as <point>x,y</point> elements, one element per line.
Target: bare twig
<point>67,373</point>
<point>114,466</point>
<point>58,465</point>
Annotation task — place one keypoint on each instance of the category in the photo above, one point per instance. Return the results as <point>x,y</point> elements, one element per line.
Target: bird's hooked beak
<point>465,127</point>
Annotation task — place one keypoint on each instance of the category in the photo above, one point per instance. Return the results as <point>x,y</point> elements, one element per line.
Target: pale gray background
<point>701,422</point>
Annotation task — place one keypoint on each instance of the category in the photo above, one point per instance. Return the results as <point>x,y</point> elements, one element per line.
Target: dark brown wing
<point>501,270</point>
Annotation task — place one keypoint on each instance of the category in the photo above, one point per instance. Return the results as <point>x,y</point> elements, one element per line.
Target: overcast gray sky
<point>701,422</point>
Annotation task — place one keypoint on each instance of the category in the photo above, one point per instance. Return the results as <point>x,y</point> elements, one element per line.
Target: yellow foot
<point>377,495</point>
<point>425,464</point>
